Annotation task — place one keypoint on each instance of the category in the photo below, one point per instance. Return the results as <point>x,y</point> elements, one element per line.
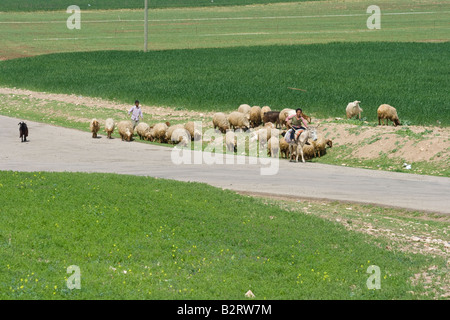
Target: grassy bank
<point>348,146</point>
<point>130,242</point>
<point>410,76</point>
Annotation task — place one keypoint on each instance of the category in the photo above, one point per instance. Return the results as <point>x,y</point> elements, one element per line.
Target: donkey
<point>300,138</point>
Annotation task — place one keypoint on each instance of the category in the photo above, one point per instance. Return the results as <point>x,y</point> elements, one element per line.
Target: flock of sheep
<point>266,127</point>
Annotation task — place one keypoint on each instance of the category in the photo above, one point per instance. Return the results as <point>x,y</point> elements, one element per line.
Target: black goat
<point>23,131</point>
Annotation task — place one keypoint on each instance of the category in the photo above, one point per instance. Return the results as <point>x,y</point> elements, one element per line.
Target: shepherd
<point>136,113</point>
<point>296,122</point>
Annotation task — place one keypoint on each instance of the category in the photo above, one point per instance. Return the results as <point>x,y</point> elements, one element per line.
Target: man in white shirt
<point>136,112</point>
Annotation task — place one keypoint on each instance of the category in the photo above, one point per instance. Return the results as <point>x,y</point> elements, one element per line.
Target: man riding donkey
<point>298,135</point>
<point>296,122</point>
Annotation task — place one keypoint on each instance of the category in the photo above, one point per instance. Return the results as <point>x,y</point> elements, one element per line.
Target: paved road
<point>53,148</point>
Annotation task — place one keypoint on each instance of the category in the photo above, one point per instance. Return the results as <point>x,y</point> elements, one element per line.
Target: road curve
<point>52,148</point>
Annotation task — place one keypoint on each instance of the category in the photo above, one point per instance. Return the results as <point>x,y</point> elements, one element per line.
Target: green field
<point>32,33</point>
<point>144,238</point>
<point>413,77</point>
<point>44,5</point>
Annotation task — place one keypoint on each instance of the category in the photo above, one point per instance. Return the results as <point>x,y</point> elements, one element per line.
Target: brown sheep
<point>387,112</point>
<point>158,132</point>
<point>193,131</point>
<point>255,116</point>
<point>284,148</point>
<point>95,127</point>
<point>238,120</point>
<point>272,116</point>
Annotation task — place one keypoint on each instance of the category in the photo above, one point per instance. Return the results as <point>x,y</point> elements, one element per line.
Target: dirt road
<point>52,148</point>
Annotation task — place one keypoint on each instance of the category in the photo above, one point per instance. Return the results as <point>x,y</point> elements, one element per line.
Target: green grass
<point>409,76</point>
<point>343,156</point>
<point>146,238</point>
<point>43,5</point>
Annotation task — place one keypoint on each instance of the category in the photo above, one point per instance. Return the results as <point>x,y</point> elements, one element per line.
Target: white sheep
<point>180,136</point>
<point>125,129</point>
<point>353,109</point>
<point>94,126</point>
<point>220,121</point>
<point>284,114</point>
<point>170,131</point>
<point>263,135</point>
<point>245,108</point>
<point>238,120</point>
<point>230,141</point>
<point>269,125</point>
<point>387,112</point>
<point>273,146</point>
<point>109,127</point>
<point>142,130</point>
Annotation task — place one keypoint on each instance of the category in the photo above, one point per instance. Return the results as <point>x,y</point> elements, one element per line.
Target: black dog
<point>23,131</point>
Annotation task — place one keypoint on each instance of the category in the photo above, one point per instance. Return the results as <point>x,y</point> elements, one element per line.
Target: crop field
<point>413,77</point>
<point>50,5</point>
<point>32,33</point>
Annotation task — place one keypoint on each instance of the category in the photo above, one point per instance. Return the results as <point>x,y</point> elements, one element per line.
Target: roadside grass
<point>78,116</point>
<point>145,238</point>
<point>412,77</point>
<point>342,156</point>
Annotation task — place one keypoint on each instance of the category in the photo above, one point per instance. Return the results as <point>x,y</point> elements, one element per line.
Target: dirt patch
<point>411,143</point>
